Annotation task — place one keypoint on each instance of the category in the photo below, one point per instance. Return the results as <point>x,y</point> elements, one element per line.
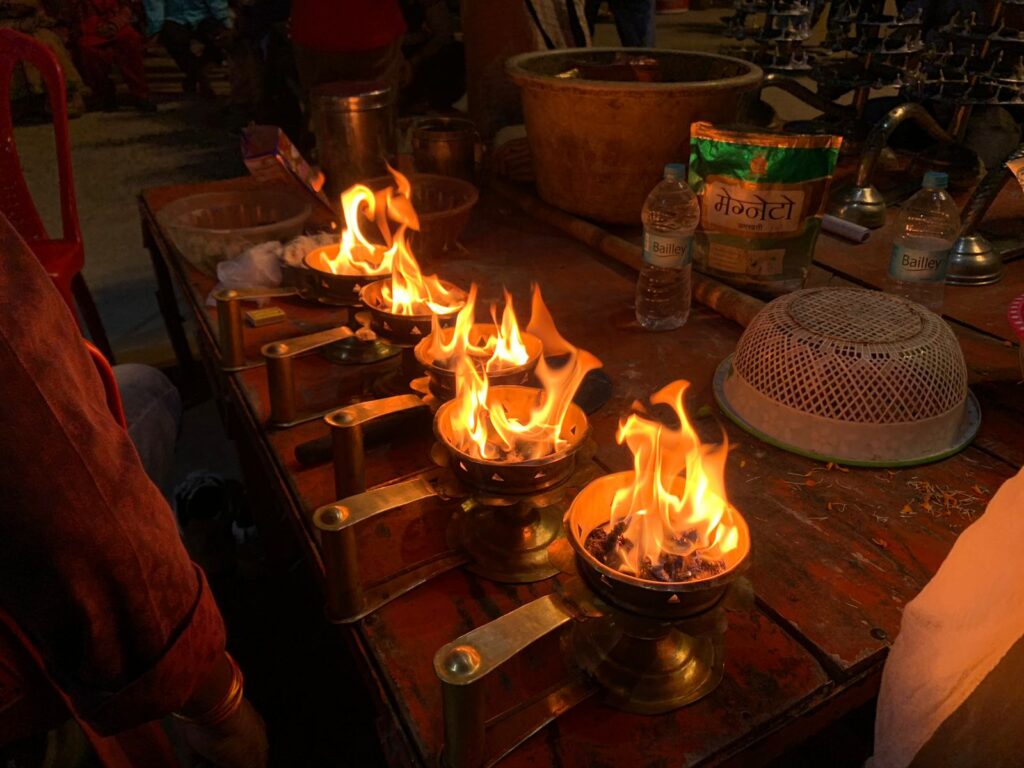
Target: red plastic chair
<point>63,259</point>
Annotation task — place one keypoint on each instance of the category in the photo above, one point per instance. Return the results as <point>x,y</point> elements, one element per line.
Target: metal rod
<point>229,321</point>
<point>281,370</point>
<point>986,192</point>
<point>880,134</point>
<point>348,599</point>
<point>343,587</point>
<point>280,382</point>
<point>348,453</point>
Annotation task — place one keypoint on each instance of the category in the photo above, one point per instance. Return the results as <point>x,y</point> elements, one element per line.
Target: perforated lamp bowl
<point>852,376</point>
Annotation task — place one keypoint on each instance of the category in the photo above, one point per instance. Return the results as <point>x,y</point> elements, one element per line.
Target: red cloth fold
<point>92,569</point>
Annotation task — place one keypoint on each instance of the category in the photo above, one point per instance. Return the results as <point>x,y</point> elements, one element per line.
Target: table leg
<point>168,303</point>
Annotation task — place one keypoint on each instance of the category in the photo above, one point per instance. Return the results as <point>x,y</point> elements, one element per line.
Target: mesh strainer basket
<point>853,376</point>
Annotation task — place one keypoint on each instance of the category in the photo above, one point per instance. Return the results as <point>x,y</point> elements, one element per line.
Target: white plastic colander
<point>852,376</point>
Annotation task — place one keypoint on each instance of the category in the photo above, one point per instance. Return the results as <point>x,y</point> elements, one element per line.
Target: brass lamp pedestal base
<point>353,351</point>
<point>507,544</point>
<point>650,667</point>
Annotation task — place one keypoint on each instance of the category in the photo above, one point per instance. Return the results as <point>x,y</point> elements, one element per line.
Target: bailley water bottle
<point>670,217</point>
<point>925,231</point>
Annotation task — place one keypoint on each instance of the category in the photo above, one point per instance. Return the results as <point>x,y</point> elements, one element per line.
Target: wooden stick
<point>728,302</point>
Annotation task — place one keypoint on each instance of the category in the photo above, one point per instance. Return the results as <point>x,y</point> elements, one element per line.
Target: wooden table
<point>837,553</point>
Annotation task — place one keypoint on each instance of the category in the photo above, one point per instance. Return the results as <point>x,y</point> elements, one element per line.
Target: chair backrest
<point>109,384</point>
<point>15,198</point>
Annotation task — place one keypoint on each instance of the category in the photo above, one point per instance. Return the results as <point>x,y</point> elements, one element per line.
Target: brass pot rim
<point>578,438</point>
<point>534,349</point>
<point>370,292</point>
<point>308,261</point>
<point>577,540</point>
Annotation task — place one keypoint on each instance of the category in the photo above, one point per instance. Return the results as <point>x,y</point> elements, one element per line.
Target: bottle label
<point>672,251</point>
<point>918,265</point>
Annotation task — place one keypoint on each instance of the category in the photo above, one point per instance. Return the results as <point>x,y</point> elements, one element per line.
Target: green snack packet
<point>761,197</point>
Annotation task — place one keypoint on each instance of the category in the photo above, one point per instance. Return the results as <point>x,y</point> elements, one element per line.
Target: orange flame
<point>489,430</point>
<point>356,254</point>
<point>409,291</point>
<point>502,349</point>
<point>664,513</point>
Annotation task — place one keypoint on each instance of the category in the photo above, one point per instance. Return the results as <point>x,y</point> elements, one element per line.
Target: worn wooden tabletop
<point>837,552</point>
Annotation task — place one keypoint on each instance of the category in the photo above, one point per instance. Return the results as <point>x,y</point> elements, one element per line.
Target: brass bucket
<point>600,146</point>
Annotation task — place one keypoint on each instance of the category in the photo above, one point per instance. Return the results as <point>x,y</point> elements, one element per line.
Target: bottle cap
<point>935,180</point>
<point>675,171</point>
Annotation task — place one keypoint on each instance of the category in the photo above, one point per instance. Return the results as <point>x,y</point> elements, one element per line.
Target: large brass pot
<point>600,146</point>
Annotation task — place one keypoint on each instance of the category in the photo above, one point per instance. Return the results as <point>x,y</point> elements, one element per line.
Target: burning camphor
<point>498,347</point>
<point>487,427</point>
<point>407,291</point>
<point>356,254</point>
<point>672,521</point>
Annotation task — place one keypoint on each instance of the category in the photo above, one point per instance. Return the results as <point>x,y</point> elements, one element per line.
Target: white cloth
<point>260,266</point>
<point>954,632</point>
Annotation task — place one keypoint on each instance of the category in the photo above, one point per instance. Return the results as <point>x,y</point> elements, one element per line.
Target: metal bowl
<point>330,287</point>
<point>441,380</point>
<point>504,477</point>
<point>403,330</point>
<point>665,599</point>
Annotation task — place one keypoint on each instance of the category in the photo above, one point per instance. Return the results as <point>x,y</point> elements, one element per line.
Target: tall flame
<point>503,348</point>
<point>357,254</point>
<point>408,291</point>
<point>661,512</point>
<point>489,430</point>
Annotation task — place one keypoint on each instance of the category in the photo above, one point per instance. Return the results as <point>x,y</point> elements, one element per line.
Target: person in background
<point>347,40</point>
<point>435,72</point>
<point>178,22</point>
<point>343,40</point>
<point>634,20</point>
<point>105,39</point>
<point>104,620</point>
<point>29,17</point>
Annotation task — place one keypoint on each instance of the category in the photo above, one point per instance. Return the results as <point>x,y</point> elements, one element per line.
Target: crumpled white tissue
<point>260,265</point>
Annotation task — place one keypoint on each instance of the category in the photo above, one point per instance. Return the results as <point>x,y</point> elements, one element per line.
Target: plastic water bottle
<point>925,231</point>
<point>670,216</point>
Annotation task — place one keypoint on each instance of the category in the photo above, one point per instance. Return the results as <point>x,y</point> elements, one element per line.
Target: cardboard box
<point>270,156</point>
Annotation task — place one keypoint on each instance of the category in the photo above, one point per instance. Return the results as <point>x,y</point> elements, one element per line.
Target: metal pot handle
<point>231,337</point>
<point>347,425</point>
<point>471,739</point>
<point>281,372</point>
<point>348,598</point>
